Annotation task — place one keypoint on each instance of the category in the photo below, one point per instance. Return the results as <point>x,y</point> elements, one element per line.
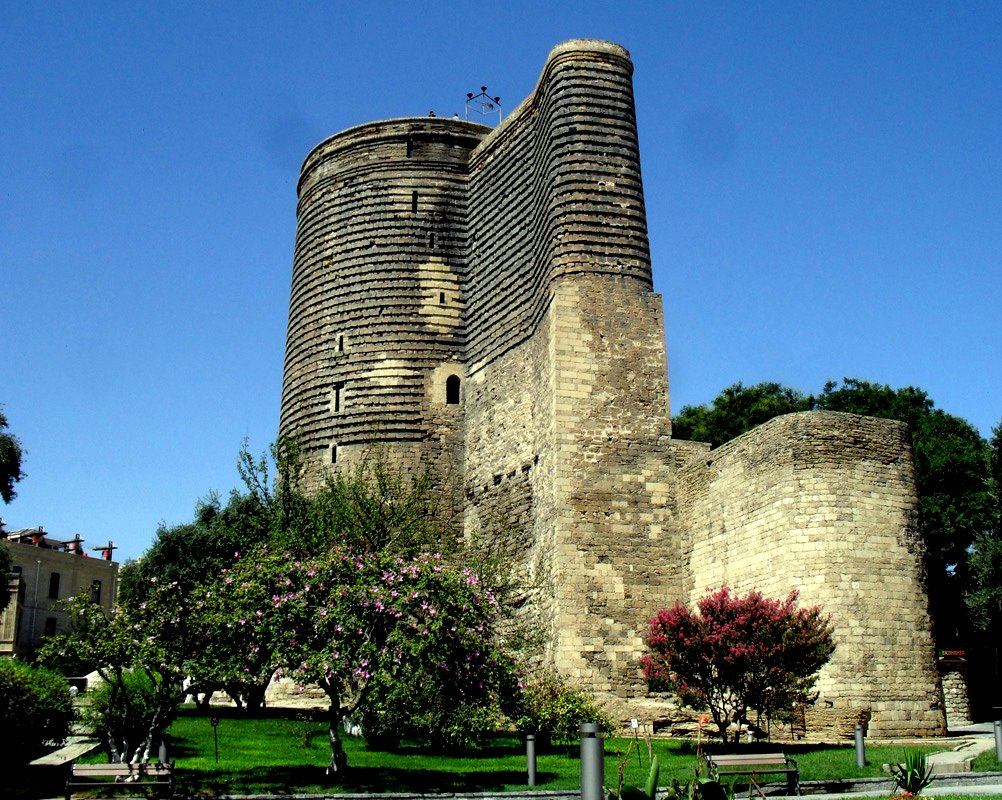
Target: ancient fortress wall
<point>480,300</point>
<point>825,503</point>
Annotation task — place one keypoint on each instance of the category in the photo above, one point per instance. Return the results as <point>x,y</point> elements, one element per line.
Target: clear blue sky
<point>823,185</point>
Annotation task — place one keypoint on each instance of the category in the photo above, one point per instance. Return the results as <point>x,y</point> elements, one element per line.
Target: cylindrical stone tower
<point>373,355</point>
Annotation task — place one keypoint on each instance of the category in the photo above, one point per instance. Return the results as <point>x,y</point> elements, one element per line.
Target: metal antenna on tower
<point>483,104</point>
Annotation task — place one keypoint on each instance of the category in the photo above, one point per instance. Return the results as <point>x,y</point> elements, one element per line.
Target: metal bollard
<point>860,747</point>
<point>530,758</point>
<point>998,740</point>
<point>592,762</point>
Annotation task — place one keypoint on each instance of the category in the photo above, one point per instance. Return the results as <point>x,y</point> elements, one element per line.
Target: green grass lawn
<point>986,762</point>
<point>272,755</point>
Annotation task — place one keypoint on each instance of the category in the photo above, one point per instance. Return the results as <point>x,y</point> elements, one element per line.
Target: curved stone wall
<point>376,302</point>
<point>555,191</point>
<point>825,503</point>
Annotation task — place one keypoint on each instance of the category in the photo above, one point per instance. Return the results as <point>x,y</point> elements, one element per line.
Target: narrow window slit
<point>452,390</point>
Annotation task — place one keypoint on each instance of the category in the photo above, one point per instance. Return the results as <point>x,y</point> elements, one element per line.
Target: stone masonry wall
<point>825,503</point>
<point>560,272</point>
<point>375,316</point>
<point>616,543</point>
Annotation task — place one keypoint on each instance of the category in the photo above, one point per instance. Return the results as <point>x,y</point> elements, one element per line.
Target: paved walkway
<point>972,742</point>
<point>951,767</point>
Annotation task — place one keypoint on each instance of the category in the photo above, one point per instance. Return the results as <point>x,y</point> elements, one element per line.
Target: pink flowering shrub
<point>734,653</point>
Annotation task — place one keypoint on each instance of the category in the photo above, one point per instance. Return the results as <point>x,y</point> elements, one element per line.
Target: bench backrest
<point>116,770</point>
<point>749,760</point>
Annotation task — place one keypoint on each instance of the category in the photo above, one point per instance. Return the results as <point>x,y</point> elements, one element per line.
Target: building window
<point>95,592</point>
<point>413,202</point>
<point>333,454</point>
<point>50,626</point>
<point>452,390</point>
<point>54,586</point>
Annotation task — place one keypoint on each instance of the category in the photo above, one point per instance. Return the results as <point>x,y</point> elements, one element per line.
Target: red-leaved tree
<point>734,654</point>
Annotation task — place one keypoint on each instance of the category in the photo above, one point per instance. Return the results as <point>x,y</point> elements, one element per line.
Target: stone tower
<point>480,300</point>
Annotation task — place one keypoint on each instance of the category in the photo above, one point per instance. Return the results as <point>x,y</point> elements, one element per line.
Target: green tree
<point>735,654</point>
<point>984,597</point>
<point>11,456</point>
<point>736,409</point>
<point>194,552</point>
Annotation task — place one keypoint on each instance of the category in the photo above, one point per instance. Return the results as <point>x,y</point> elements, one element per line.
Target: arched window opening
<point>333,454</point>
<point>452,390</point>
<point>54,585</point>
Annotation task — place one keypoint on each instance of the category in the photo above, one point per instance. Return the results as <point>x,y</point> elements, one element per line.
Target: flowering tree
<point>738,653</point>
<point>348,621</point>
<point>140,652</point>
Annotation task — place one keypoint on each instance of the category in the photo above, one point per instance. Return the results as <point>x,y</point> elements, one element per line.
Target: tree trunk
<point>339,759</point>
<point>255,696</point>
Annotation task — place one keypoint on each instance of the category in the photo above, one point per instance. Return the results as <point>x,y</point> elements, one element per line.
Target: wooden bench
<point>76,747</point>
<point>121,777</point>
<point>754,765</point>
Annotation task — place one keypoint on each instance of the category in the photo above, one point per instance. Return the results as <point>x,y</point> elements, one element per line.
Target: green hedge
<point>35,709</point>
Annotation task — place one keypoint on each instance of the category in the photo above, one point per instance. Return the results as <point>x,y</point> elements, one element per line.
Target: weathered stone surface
<point>512,264</point>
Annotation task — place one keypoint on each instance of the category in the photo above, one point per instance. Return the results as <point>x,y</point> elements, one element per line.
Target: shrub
<point>35,706</point>
<point>555,711</point>
<point>426,710</point>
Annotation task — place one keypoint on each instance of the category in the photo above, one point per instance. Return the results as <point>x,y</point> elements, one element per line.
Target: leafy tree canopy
<point>984,598</point>
<point>35,709</point>
<point>140,652</point>
<point>11,455</point>
<point>734,654</point>
<point>735,410</point>
<point>194,552</point>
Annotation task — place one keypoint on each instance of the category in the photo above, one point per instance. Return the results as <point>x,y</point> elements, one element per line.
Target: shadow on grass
<point>356,779</point>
